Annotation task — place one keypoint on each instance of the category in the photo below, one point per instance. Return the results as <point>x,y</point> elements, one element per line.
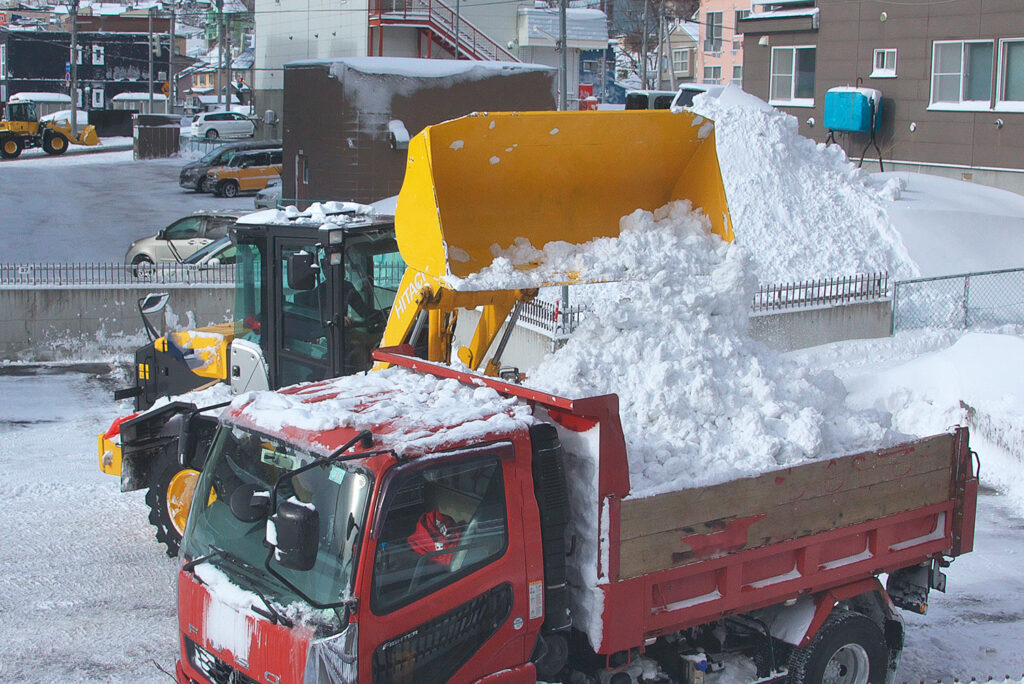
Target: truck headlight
<point>334,659</point>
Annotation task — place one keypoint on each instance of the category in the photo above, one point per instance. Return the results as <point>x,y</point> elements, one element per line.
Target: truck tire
<point>10,147</point>
<point>848,649</point>
<point>228,189</point>
<point>55,143</point>
<point>169,498</point>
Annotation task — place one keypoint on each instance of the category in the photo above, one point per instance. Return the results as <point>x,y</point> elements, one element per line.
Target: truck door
<point>448,573</point>
<point>301,340</point>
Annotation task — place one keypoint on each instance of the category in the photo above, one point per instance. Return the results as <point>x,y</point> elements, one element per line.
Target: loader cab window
<point>248,289</point>
<point>303,353</point>
<point>22,111</point>
<point>373,270</point>
<point>442,523</point>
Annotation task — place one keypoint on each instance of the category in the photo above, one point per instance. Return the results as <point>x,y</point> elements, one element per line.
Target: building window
<point>885,64</point>
<point>962,74</point>
<point>792,76</point>
<point>713,32</point>
<point>97,55</point>
<point>591,66</point>
<point>737,75</point>
<point>97,98</point>
<point>681,61</point>
<point>1011,74</point>
<point>740,16</point>
<point>713,74</point>
<point>3,63</point>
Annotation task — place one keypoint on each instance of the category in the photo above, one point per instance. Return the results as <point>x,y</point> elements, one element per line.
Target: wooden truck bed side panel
<point>684,527</point>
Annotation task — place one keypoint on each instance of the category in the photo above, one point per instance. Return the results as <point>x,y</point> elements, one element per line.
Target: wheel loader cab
<point>22,111</point>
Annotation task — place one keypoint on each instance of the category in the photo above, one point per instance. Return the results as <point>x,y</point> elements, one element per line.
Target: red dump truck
<point>336,537</point>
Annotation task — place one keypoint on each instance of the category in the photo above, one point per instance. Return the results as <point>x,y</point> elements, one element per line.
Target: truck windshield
<point>248,292</point>
<point>339,494</point>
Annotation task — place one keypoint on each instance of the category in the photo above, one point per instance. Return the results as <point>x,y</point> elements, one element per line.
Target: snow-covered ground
<point>86,594</point>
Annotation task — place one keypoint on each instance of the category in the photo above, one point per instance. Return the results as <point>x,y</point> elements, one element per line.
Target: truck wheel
<point>169,499</point>
<point>55,143</point>
<point>849,649</point>
<point>228,189</point>
<point>10,147</point>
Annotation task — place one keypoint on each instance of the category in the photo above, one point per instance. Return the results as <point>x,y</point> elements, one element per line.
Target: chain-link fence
<point>989,298</point>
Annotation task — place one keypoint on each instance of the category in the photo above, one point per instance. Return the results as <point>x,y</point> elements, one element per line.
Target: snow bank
<point>801,209</point>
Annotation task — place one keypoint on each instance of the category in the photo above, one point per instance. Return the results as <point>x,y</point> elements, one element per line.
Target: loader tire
<point>10,147</point>
<point>55,144</point>
<point>848,649</point>
<point>169,498</point>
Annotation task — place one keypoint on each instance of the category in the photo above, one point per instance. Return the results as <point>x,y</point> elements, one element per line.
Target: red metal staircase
<point>437,18</point>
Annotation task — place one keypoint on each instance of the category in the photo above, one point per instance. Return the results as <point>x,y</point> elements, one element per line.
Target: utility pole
<point>74,68</point>
<point>152,50</point>
<point>227,62</point>
<point>169,102</point>
<point>643,49</point>
<point>458,42</point>
<point>220,42</point>
<point>563,76</point>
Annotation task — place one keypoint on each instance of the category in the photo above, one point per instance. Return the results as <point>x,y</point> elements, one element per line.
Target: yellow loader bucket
<point>487,179</point>
<point>88,136</point>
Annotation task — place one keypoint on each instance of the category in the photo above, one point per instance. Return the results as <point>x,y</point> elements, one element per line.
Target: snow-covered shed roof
<point>61,98</point>
<point>586,29</point>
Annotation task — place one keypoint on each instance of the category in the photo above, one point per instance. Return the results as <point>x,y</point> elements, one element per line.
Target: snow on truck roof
<point>409,412</point>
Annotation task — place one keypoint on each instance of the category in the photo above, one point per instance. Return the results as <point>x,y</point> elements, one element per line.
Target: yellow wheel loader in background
<point>20,128</point>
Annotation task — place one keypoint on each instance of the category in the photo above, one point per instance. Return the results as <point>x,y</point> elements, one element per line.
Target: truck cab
<point>391,557</point>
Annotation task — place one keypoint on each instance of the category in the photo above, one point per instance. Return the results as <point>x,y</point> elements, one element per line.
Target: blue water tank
<point>850,109</point>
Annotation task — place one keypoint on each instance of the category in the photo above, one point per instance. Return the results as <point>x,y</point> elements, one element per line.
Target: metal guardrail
<point>822,292</point>
<point>444,20</point>
<point>100,275</point>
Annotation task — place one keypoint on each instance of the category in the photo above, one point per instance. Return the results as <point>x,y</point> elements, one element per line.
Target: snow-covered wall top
<point>420,68</point>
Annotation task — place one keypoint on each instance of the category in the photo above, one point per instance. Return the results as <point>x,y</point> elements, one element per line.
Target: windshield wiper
<point>270,613</point>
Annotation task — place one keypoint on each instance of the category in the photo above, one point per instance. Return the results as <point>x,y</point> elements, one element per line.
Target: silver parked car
<point>181,239</point>
<point>267,197</point>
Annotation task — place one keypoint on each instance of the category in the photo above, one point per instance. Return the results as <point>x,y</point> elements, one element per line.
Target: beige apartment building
<point>720,46</point>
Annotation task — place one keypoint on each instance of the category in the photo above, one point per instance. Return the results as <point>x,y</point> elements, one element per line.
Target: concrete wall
<point>45,324</point>
<point>804,328</point>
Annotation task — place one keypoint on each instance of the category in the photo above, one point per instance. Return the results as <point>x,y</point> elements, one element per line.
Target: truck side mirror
<point>301,271</point>
<point>294,532</point>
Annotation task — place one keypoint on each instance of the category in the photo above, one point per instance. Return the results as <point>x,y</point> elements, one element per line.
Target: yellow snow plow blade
<point>486,180</point>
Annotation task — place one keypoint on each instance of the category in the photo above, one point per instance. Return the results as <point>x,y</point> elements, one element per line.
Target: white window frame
<point>737,80</point>
<point>884,71</point>
<point>709,31</point>
<point>963,105</point>
<point>792,101</point>
<point>98,55</point>
<point>1001,104</point>
<point>97,92</point>
<point>712,80</point>
<point>681,60</point>
<point>3,63</point>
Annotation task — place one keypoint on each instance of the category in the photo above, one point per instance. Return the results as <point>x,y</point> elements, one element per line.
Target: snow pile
<point>700,401</point>
<point>801,208</point>
<point>408,411</point>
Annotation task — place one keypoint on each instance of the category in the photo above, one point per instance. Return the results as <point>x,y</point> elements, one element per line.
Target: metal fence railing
<point>988,298</point>
<point>99,275</point>
<point>552,317</point>
<point>822,292</point>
